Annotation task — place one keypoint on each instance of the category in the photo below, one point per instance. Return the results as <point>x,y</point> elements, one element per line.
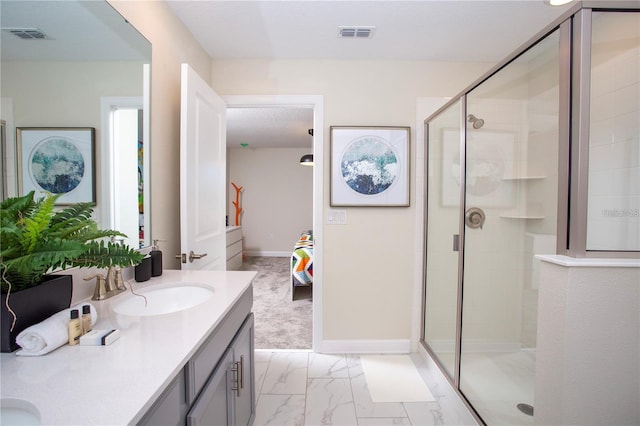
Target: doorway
<point>314,145</point>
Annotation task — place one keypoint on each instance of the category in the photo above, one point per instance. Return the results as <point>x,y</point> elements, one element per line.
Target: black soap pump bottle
<point>156,260</point>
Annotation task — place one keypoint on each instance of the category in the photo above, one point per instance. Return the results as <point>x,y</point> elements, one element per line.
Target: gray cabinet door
<point>170,407</point>
<point>245,379</point>
<point>214,406</point>
<point>228,397</point>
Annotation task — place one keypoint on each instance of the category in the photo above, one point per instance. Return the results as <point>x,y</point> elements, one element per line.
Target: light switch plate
<point>336,217</point>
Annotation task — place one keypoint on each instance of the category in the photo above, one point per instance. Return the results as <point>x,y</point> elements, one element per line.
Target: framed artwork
<point>370,166</point>
<point>60,160</point>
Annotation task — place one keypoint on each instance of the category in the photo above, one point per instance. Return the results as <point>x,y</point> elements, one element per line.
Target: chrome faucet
<point>109,286</point>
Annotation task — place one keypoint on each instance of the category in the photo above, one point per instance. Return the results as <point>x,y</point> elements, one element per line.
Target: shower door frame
<point>458,246</point>
<point>574,28</point>
<point>564,27</point>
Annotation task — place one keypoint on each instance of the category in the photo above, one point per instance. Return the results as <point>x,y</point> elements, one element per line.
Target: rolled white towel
<point>50,334</point>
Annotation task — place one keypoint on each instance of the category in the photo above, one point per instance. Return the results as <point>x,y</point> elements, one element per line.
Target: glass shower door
<point>443,212</point>
<point>510,215</point>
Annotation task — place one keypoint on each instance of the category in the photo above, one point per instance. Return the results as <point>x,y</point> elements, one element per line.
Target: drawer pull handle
<point>236,369</point>
<point>241,373</point>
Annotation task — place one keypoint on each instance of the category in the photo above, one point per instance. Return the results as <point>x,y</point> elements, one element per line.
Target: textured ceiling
<point>76,31</point>
<point>433,30</point>
<point>450,30</point>
<point>269,127</point>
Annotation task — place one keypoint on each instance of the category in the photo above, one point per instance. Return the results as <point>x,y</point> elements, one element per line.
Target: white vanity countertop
<point>116,384</point>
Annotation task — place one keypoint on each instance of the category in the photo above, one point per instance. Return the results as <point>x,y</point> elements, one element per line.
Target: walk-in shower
<point>506,187</point>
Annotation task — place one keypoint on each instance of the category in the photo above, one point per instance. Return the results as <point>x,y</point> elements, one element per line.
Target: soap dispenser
<point>156,260</point>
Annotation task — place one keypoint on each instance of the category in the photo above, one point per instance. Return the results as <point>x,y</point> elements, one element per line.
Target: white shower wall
<point>526,223</point>
<point>614,149</point>
<point>503,270</point>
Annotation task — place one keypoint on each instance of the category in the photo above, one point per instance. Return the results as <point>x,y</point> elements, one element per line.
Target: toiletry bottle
<point>142,271</point>
<point>75,327</point>
<point>156,260</point>
<point>86,319</point>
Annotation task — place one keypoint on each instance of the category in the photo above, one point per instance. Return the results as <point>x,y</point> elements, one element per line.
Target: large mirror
<point>67,66</point>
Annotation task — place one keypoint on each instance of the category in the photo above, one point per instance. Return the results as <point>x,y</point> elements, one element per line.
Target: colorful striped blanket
<point>302,260</point>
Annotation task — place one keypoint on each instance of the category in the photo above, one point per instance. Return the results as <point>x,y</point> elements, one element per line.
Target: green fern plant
<point>36,239</point>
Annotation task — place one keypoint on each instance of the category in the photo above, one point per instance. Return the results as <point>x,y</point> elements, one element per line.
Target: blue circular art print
<point>369,165</point>
<point>57,165</point>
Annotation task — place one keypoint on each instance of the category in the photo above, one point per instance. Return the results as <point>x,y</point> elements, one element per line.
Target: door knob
<point>474,218</point>
<point>193,256</point>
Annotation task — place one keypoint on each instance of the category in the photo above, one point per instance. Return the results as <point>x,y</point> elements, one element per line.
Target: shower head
<point>477,122</point>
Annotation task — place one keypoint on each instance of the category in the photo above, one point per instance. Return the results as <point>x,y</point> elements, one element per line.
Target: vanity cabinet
<point>160,367</point>
<point>216,387</point>
<point>228,398</point>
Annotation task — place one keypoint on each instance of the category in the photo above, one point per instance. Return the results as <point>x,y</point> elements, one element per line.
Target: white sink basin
<point>18,412</point>
<point>164,300</point>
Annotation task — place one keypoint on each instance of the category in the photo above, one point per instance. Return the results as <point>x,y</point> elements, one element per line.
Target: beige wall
<point>277,199</point>
<point>172,45</point>
<point>369,263</point>
<point>42,99</point>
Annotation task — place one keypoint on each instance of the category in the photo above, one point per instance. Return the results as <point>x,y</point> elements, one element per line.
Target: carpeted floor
<point>280,323</point>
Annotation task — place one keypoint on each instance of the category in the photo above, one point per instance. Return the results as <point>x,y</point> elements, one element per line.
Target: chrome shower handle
<point>474,218</point>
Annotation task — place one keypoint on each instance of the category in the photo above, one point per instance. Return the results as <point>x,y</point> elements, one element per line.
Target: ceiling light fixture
<point>307,159</point>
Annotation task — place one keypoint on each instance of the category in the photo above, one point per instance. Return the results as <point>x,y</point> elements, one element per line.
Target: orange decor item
<point>236,203</point>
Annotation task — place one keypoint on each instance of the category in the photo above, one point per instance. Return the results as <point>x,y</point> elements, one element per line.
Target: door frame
<point>315,102</point>
<point>108,187</point>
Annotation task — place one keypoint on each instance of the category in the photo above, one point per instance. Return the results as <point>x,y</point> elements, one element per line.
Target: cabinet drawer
<point>201,365</point>
<point>234,249</point>
<point>234,235</point>
<point>234,263</point>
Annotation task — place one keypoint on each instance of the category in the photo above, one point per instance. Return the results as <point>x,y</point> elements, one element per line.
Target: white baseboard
<point>475,346</point>
<point>267,253</point>
<point>399,346</point>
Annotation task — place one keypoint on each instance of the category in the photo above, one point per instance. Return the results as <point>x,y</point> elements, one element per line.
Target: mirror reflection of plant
<point>36,239</point>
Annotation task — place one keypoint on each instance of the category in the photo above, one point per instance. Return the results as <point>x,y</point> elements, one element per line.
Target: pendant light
<point>307,159</point>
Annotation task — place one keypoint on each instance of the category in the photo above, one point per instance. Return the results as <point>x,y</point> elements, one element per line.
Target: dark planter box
<point>32,306</point>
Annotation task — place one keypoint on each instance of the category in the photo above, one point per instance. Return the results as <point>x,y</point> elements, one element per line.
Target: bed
<point>302,263</point>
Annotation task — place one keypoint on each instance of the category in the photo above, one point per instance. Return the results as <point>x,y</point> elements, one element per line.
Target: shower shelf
<point>517,215</point>
<point>532,177</point>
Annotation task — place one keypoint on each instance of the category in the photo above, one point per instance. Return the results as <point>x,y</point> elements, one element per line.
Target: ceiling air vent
<point>355,32</point>
<point>28,33</point>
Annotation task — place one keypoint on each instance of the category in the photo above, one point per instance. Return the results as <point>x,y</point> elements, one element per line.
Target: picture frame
<point>370,166</point>
<point>490,168</point>
<point>60,160</point>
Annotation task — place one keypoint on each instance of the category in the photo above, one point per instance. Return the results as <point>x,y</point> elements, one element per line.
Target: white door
<point>203,128</point>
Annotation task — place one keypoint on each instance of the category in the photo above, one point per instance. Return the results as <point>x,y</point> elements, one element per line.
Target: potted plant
<point>37,239</point>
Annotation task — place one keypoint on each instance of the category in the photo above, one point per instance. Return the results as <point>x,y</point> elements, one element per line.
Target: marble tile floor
<point>303,388</point>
